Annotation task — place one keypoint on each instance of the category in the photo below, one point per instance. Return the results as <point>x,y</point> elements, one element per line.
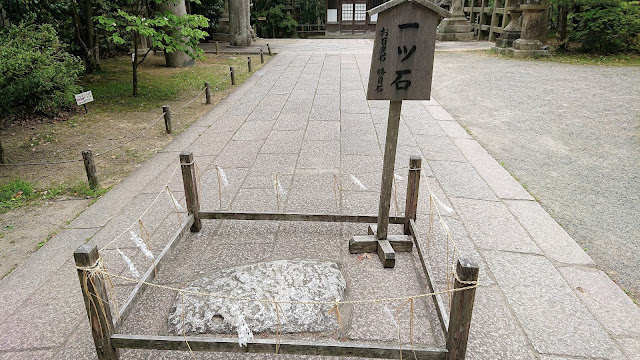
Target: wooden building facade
<point>345,17</point>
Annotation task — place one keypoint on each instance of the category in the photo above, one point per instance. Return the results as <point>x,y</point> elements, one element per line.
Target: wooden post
<point>217,49</point>
<point>261,56</point>
<point>207,92</point>
<point>461,310</point>
<point>90,168</point>
<point>2,159</point>
<point>96,302</point>
<point>387,168</point>
<point>167,118</point>
<point>191,189</point>
<point>233,76</point>
<point>249,63</point>
<point>269,49</point>
<point>413,187</point>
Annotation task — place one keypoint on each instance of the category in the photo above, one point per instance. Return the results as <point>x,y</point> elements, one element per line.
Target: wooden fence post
<point>261,56</point>
<point>461,309</point>
<point>413,188</point>
<point>207,92</point>
<point>269,49</point>
<point>217,49</point>
<point>2,159</point>
<point>233,76</point>
<point>249,63</point>
<point>191,189</point>
<point>167,118</point>
<point>90,168</point>
<point>96,302</point>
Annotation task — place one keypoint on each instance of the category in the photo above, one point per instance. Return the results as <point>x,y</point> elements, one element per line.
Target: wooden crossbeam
<point>241,215</point>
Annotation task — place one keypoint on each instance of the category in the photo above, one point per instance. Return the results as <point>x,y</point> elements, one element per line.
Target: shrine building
<point>345,17</point>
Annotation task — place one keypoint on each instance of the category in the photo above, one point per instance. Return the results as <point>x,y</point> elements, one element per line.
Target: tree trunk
<point>177,59</point>
<point>563,13</point>
<point>86,35</point>
<point>239,23</point>
<point>2,159</point>
<point>134,63</point>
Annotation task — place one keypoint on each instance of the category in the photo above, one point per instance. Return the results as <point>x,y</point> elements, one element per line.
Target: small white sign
<point>84,97</point>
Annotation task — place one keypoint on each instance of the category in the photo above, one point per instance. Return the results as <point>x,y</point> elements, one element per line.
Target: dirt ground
<point>60,139</point>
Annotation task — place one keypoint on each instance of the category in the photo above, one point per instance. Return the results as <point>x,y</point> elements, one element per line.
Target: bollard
<point>90,168</point>
<point>96,301</point>
<point>261,56</point>
<point>167,118</point>
<point>233,76</point>
<point>207,92</point>
<point>461,310</point>
<point>217,49</point>
<point>413,188</point>
<point>191,189</point>
<point>249,63</point>
<point>269,49</point>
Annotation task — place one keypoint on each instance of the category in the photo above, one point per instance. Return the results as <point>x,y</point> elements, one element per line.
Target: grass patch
<point>16,193</point>
<point>574,58</point>
<point>21,192</point>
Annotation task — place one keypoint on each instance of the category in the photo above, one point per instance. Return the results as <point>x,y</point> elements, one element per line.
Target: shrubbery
<point>607,27</point>
<point>278,23</point>
<point>36,73</point>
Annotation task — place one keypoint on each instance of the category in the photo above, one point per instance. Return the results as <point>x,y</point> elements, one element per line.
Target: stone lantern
<point>511,32</point>
<point>534,25</point>
<point>457,27</point>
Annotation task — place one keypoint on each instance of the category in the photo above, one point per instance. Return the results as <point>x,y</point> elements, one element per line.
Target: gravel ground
<point>569,133</point>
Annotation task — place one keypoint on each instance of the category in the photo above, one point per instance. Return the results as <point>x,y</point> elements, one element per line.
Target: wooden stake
<point>96,302</point>
<point>207,92</point>
<point>249,63</point>
<point>388,166</point>
<point>461,310</point>
<point>413,187</point>
<point>90,168</point>
<point>167,118</point>
<point>191,189</point>
<point>261,56</point>
<point>269,49</point>
<point>217,49</point>
<point>233,76</point>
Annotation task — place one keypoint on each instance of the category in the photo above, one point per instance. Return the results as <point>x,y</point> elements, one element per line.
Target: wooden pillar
<point>96,302</point>
<point>387,168</point>
<point>217,48</point>
<point>90,168</point>
<point>261,56</point>
<point>269,49</point>
<point>167,118</point>
<point>413,188</point>
<point>191,189</point>
<point>207,92</point>
<point>233,76</point>
<point>249,63</point>
<point>461,309</point>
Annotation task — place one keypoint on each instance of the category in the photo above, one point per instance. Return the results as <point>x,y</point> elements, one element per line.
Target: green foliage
<point>211,9</point>
<point>607,27</point>
<point>167,32</point>
<point>36,73</point>
<point>312,12</point>
<point>15,193</point>
<point>278,23</point>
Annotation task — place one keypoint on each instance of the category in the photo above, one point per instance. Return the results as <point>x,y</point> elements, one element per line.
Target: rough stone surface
<point>284,280</point>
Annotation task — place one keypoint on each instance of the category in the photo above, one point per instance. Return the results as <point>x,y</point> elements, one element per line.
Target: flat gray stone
<point>323,130</point>
<point>547,234</point>
<point>283,142</point>
<point>493,227</point>
<point>439,148</point>
<point>284,280</point>
<point>554,319</point>
<point>253,130</point>
<point>631,347</point>
<point>498,179</point>
<point>610,305</point>
<point>454,130</point>
<point>320,155</point>
<point>461,180</point>
<point>438,113</point>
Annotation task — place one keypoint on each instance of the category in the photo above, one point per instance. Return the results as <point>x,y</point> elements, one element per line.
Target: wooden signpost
<point>401,69</point>
<point>83,99</point>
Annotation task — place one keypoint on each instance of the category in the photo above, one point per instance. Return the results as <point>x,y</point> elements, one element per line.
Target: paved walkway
<point>304,115</point>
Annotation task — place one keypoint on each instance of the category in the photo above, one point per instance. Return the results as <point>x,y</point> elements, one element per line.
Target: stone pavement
<point>304,115</point>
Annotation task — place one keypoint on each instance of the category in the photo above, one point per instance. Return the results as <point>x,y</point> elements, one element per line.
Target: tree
<point>167,31</point>
<point>86,35</point>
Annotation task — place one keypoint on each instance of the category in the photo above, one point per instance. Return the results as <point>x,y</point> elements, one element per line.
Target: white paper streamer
<point>175,201</point>
<point>223,176</point>
<point>141,245</point>
<point>441,204</point>
<point>357,182</point>
<point>132,267</point>
<point>397,177</point>
<point>281,191</point>
<point>244,332</point>
<point>391,317</point>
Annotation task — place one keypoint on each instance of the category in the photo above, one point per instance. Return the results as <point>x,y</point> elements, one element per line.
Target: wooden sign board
<point>402,59</point>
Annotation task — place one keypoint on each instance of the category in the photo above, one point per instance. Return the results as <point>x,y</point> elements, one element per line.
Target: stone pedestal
<point>512,31</point>
<point>534,23</point>
<point>456,28</point>
<point>222,32</point>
